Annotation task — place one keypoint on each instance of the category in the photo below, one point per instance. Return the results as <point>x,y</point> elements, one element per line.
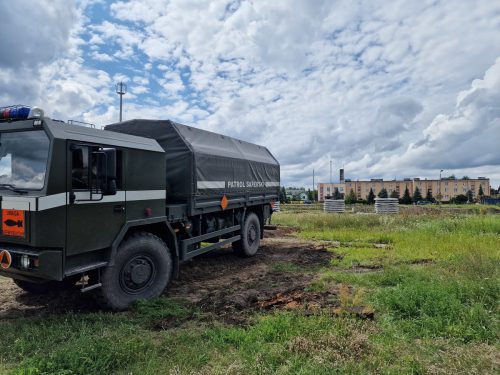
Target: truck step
<point>90,287</point>
<point>85,268</point>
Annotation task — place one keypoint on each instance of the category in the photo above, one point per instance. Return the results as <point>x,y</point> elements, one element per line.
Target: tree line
<point>408,198</point>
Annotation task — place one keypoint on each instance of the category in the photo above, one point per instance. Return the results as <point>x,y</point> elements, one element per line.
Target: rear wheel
<point>142,270</point>
<point>250,237</point>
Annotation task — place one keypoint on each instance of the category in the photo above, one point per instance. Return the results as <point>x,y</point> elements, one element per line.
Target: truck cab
<point>63,195</point>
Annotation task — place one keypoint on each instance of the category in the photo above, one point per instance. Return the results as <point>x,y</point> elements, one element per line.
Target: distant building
<point>447,188</point>
<point>293,193</point>
<point>302,196</point>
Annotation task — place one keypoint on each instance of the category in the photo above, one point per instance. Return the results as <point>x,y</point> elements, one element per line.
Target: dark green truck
<point>118,210</point>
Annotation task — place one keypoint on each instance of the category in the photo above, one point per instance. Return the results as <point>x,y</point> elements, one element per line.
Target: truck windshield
<point>23,159</point>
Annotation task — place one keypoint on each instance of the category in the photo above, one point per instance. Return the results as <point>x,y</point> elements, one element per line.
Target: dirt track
<point>220,284</point>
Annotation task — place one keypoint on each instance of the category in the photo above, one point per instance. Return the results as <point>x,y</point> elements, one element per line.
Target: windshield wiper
<point>13,188</point>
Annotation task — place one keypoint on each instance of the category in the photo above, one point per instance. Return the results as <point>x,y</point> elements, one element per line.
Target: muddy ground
<point>219,284</point>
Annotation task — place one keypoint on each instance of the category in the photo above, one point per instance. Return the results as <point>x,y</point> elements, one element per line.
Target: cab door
<point>93,219</point>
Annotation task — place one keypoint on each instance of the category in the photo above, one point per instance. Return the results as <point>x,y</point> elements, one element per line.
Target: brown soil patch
<point>228,288</point>
<point>363,269</point>
<point>14,302</point>
<point>280,232</point>
<point>295,299</point>
<point>220,284</point>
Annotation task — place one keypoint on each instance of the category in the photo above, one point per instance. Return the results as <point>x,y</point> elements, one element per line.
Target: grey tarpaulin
<point>200,162</point>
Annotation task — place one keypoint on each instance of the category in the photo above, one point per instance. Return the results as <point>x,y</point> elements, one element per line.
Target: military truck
<point>119,210</point>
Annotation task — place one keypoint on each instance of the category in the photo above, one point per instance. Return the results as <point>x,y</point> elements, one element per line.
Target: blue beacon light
<point>18,112</point>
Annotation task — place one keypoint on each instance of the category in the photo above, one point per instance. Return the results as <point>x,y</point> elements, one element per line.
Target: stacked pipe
<point>275,206</point>
<point>386,205</point>
<point>334,205</point>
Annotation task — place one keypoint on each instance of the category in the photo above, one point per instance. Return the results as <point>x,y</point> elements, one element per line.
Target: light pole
<point>330,173</point>
<point>121,89</point>
<point>439,185</point>
<point>313,188</point>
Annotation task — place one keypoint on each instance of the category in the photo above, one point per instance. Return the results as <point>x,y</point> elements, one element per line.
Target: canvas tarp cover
<point>206,163</point>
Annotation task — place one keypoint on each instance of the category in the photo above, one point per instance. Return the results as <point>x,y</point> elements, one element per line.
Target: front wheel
<point>142,270</point>
<point>249,243</point>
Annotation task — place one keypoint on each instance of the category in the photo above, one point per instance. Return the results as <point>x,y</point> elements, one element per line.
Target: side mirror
<point>106,170</point>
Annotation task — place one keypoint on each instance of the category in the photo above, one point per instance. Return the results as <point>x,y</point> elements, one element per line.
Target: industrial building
<point>447,188</point>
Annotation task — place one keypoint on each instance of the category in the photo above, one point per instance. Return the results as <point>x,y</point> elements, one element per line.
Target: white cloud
<point>32,34</point>
<point>137,90</point>
<point>466,137</point>
<point>101,56</point>
<point>126,38</point>
<point>383,87</point>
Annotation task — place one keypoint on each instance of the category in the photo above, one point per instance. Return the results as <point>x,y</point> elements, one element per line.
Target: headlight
<point>24,262</point>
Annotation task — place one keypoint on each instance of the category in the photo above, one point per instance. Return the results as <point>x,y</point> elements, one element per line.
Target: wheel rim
<point>252,235</point>
<point>137,274</point>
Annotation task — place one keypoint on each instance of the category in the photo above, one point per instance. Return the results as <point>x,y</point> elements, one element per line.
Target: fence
<point>301,207</point>
<point>275,206</point>
<point>404,209</point>
<point>386,205</point>
<point>334,205</point>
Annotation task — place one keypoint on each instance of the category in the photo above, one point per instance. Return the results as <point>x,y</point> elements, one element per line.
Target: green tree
<point>406,197</point>
<point>394,194</point>
<point>310,195</point>
<point>465,178</point>
<point>417,195</point>
<point>459,199</point>
<point>383,193</point>
<point>371,197</point>
<point>429,197</point>
<point>470,196</point>
<point>351,197</point>
<point>481,192</point>
<point>283,195</point>
<point>336,193</point>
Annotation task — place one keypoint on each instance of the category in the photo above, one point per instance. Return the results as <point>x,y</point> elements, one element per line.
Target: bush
<point>459,199</point>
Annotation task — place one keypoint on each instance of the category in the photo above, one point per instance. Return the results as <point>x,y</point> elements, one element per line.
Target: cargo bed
<point>202,167</point>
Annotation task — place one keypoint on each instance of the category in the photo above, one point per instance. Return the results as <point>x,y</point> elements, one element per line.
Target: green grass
<point>439,276</point>
<point>434,288</point>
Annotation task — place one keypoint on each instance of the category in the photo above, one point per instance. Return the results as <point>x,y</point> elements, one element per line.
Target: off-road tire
<point>249,243</point>
<point>43,287</point>
<point>142,269</point>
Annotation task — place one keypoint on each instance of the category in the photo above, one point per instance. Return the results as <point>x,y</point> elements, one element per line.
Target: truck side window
<point>80,168</point>
<point>81,174</point>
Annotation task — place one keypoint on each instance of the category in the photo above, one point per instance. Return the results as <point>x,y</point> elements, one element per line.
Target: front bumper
<point>49,263</point>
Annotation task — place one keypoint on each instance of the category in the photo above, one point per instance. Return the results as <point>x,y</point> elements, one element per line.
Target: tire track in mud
<point>231,289</point>
<point>220,284</point>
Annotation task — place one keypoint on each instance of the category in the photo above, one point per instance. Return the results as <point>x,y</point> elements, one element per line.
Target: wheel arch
<point>160,227</point>
<point>262,211</point>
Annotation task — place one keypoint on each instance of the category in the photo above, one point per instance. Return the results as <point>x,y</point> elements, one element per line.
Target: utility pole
<point>314,198</point>
<point>121,89</point>
<point>440,196</point>
<point>330,172</point>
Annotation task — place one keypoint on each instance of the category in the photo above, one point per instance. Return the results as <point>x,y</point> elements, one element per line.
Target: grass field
<point>414,294</point>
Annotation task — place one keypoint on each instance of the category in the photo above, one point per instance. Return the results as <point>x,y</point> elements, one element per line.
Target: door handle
<point>119,208</point>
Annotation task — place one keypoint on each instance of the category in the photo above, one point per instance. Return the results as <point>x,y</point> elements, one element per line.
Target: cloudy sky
<point>386,88</point>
